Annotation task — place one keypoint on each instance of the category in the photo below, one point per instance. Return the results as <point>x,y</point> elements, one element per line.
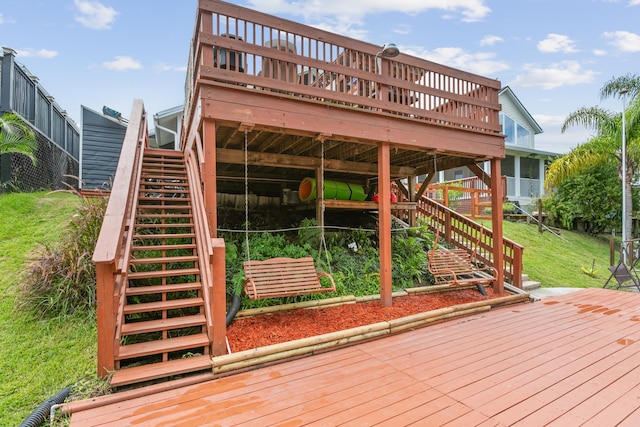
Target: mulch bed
<point>263,330</point>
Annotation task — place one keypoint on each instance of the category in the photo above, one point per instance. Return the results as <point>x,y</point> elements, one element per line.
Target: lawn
<point>40,357</point>
<point>37,358</point>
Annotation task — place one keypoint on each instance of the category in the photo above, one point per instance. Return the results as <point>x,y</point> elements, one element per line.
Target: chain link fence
<point>54,169</point>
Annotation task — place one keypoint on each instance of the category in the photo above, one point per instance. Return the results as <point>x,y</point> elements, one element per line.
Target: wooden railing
<point>461,232</point>
<point>211,253</point>
<point>469,196</point>
<point>110,254</point>
<point>251,51</point>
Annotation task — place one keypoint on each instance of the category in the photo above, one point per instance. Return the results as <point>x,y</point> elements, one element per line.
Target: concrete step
<point>528,285</point>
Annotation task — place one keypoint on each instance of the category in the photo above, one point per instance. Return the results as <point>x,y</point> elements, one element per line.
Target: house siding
<point>101,145</point>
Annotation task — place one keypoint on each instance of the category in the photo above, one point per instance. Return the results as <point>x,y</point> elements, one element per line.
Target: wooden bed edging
<point>307,346</point>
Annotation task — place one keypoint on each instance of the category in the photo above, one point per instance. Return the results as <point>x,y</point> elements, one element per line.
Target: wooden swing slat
<point>282,277</point>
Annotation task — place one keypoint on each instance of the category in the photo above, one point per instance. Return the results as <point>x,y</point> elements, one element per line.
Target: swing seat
<point>454,267</point>
<point>283,277</point>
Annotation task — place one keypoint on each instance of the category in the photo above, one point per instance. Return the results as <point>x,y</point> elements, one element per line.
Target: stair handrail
<point>203,240</point>
<point>213,267</point>
<point>463,233</point>
<point>111,246</point>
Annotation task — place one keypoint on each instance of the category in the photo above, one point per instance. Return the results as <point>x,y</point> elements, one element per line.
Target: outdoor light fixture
<point>389,51</point>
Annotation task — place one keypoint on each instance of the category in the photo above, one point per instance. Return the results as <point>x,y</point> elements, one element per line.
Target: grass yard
<point>37,358</point>
<point>557,261</point>
<point>40,357</point>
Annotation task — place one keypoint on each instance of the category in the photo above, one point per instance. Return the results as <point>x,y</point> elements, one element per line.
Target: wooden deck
<point>564,361</point>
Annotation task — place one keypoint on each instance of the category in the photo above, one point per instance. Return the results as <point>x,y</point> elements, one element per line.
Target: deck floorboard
<point>566,360</point>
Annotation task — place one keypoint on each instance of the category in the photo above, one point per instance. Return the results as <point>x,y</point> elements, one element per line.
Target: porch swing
<point>282,276</point>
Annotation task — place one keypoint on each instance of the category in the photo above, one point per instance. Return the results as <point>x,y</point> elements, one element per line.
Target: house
<point>57,135</point>
<point>523,166</point>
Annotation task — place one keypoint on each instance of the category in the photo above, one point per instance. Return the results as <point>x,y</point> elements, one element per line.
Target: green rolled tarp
<point>332,190</point>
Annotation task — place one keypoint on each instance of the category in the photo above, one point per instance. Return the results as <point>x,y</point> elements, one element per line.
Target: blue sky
<point>554,54</point>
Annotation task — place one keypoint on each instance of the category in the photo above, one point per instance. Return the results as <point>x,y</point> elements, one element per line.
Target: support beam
<point>480,173</point>
<point>384,223</point>
<point>225,155</point>
<point>413,214</point>
<point>496,224</point>
<point>209,179</point>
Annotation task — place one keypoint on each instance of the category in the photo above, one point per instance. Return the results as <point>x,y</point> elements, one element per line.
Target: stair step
<point>529,284</point>
<point>163,305</point>
<point>162,273</point>
<point>146,190</point>
<point>149,173</point>
<point>165,236</point>
<point>163,152</point>
<point>170,225</point>
<point>164,260</point>
<point>153,371</point>
<point>156,200</point>
<point>162,346</point>
<point>163,324</point>
<point>164,247</point>
<point>157,207</point>
<point>171,216</point>
<point>159,289</point>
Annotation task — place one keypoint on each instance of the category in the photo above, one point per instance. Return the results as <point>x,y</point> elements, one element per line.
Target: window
<point>515,133</point>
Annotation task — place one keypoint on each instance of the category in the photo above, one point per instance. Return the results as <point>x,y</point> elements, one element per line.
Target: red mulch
<point>263,330</point>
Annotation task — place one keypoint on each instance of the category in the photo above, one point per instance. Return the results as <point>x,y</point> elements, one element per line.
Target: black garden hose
<point>233,310</point>
<point>41,413</point>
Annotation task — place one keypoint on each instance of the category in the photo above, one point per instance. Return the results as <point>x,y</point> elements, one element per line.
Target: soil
<point>263,330</point>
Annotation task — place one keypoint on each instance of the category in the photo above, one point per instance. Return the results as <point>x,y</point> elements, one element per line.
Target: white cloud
<point>468,10</point>
<point>122,63</point>
<point>40,53</point>
<point>95,15</point>
<point>599,52</point>
<point>402,29</point>
<point>163,67</point>
<point>624,40</point>
<point>483,63</point>
<point>634,2</point>
<point>345,17</point>
<point>489,40</point>
<point>555,43</point>
<point>565,73</point>
<point>1,19</point>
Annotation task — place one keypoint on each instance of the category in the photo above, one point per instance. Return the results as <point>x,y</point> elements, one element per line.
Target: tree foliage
<point>592,196</point>
<point>605,148</point>
<point>16,136</point>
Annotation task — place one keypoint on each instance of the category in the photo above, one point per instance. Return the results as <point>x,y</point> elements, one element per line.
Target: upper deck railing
<point>253,51</point>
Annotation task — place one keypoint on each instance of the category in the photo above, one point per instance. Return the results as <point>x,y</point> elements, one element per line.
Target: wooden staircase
<point>161,327</point>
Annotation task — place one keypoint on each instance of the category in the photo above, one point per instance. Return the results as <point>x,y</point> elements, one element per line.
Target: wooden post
<point>496,224</point>
<point>105,317</point>
<point>219,297</point>
<point>384,223</point>
<point>210,184</point>
<point>412,198</point>
<point>539,215</point>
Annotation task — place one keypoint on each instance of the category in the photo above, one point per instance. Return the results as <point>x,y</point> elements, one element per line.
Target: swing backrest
<point>283,277</point>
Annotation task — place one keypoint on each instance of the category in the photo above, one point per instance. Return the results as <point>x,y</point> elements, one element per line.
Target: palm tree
<point>17,137</point>
<point>606,145</point>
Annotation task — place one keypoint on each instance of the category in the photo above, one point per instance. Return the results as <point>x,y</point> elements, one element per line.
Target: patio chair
<point>624,276</point>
